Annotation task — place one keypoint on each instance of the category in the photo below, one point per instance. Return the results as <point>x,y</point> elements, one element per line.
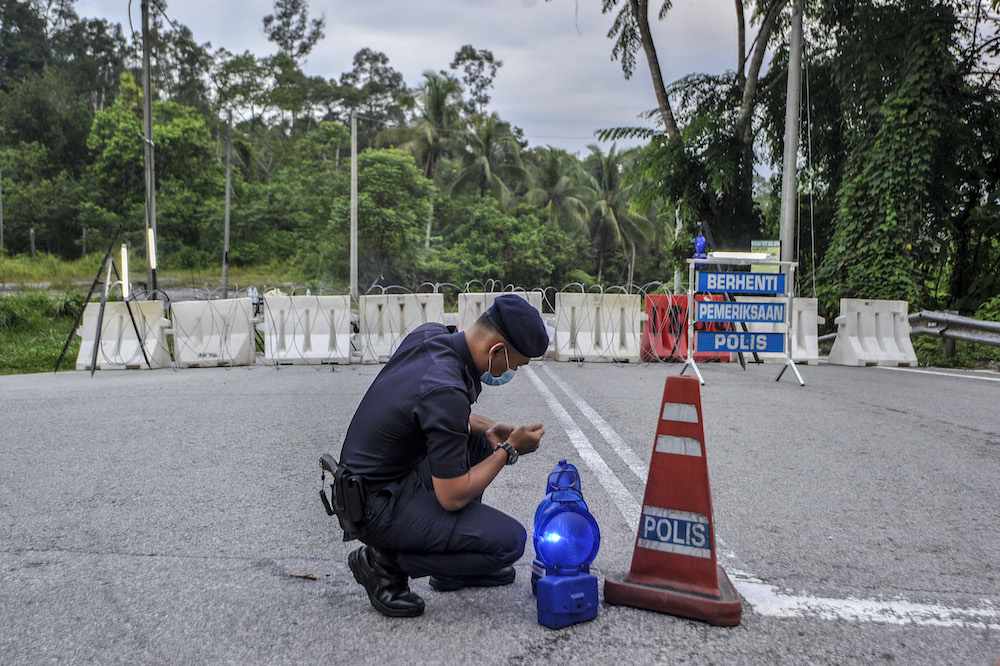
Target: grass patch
<point>48,270</point>
<point>967,354</point>
<point>33,329</point>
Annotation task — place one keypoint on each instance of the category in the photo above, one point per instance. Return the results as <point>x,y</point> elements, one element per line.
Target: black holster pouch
<point>348,496</point>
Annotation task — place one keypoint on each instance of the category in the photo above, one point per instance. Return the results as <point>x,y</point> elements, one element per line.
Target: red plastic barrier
<point>664,336</point>
<point>674,568</point>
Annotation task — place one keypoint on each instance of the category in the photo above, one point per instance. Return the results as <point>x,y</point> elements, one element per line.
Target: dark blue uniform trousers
<point>405,517</point>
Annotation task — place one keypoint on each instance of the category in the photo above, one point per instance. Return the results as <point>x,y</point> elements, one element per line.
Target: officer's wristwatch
<point>511,453</point>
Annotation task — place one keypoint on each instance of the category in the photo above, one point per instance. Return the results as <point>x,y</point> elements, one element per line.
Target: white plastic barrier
<point>472,306</point>
<point>597,327</point>
<point>385,319</point>
<point>804,342</point>
<point>873,333</point>
<point>213,333</point>
<point>118,345</point>
<point>307,330</point>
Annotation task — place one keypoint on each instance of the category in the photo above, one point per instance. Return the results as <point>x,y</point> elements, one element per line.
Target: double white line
<point>764,598</point>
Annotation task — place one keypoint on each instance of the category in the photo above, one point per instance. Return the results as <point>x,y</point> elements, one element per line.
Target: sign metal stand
<point>786,282</point>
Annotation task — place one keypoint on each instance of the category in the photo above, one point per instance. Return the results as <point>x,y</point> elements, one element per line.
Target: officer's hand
<point>526,438</point>
<point>498,433</point>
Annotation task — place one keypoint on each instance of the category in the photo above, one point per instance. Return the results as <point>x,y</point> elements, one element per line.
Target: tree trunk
<point>640,8</point>
<point>750,85</point>
<point>741,31</point>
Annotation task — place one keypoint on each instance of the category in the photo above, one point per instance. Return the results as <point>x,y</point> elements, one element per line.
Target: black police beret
<point>520,325</point>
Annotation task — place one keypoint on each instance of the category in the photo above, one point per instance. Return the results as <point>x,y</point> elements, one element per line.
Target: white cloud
<point>558,82</point>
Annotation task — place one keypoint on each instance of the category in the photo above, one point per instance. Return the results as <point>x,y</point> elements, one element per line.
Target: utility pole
<point>788,179</point>
<point>1,213</point>
<point>229,190</point>
<point>147,115</point>
<point>354,205</point>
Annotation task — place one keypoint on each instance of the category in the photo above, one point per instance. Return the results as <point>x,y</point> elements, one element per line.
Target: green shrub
<point>34,326</point>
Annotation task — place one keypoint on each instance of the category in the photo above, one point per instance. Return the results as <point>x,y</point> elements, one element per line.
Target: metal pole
<point>1,213</point>
<point>788,180</point>
<point>229,182</point>
<point>147,115</point>
<point>354,206</point>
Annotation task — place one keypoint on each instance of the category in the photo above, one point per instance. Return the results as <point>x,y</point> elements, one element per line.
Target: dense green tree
<point>614,225</point>
<point>181,68</point>
<point>290,28</point>
<point>479,68</point>
<point>392,209</point>
<point>241,85</point>
<point>40,199</point>
<point>438,120</point>
<point>560,188</point>
<point>93,54</point>
<point>491,161</point>
<point>917,199</point>
<point>702,153</point>
<point>189,176</point>
<point>23,45</point>
<point>42,108</point>
<point>513,248</point>
<point>373,90</point>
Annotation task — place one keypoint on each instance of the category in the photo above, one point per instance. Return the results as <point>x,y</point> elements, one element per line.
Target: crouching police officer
<point>425,459</point>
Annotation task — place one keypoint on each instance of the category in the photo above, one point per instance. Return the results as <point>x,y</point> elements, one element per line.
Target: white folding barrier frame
<point>804,329</point>
<point>873,332</point>
<point>213,333</point>
<point>785,268</point>
<point>307,330</point>
<point>597,327</point>
<point>118,346</point>
<point>385,319</point>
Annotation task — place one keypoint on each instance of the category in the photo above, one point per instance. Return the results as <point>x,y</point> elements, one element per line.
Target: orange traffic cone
<point>674,568</point>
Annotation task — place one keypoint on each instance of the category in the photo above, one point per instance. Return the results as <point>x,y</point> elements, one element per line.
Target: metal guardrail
<point>955,327</point>
<point>947,326</point>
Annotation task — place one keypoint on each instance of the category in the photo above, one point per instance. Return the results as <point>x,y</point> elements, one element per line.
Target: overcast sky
<point>558,82</point>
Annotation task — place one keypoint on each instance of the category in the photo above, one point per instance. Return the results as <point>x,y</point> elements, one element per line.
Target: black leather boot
<point>504,576</point>
<point>386,584</point>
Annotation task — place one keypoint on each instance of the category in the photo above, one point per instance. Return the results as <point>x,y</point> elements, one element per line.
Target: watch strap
<point>510,451</point>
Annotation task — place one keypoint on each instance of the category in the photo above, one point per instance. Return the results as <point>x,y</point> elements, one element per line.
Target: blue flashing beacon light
<point>566,539</point>
<point>699,246</point>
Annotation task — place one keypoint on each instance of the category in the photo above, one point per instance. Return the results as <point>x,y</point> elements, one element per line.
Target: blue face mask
<point>490,380</point>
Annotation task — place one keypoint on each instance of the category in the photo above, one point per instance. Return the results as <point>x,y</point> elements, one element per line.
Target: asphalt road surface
<point>166,517</point>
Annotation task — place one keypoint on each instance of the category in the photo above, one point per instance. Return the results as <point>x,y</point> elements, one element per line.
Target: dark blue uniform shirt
<point>418,406</point>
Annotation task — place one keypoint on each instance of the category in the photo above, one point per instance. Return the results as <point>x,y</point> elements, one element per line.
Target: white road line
<point>765,599</point>
<point>617,444</point>
<point>619,493</point>
<point>941,374</point>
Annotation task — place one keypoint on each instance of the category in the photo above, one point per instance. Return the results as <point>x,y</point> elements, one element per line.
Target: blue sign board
<point>768,313</point>
<point>741,283</point>
<point>731,341</point>
<point>671,531</point>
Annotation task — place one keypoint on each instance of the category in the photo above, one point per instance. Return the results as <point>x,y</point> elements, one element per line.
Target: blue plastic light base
<point>566,600</point>
<point>538,570</point>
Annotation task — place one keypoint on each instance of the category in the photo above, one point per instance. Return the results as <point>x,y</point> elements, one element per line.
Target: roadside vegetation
<point>898,185</point>
<point>35,324</point>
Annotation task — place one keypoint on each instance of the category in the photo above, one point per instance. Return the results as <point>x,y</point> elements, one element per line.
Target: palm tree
<point>491,160</point>
<point>559,188</point>
<point>613,224</point>
<point>438,103</point>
